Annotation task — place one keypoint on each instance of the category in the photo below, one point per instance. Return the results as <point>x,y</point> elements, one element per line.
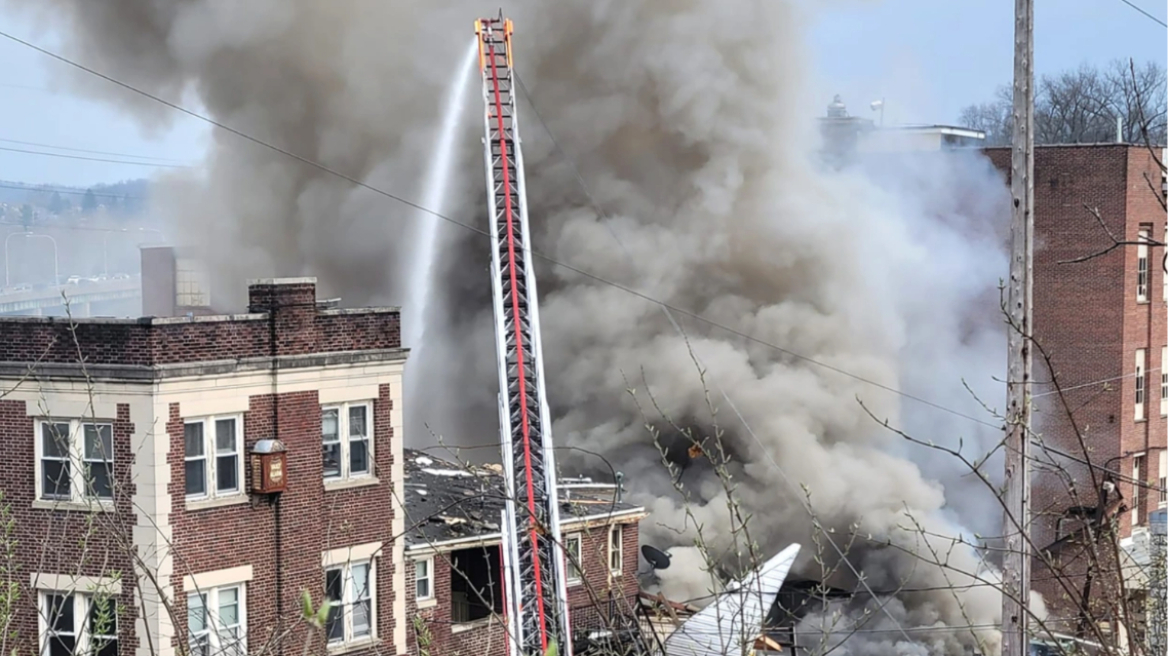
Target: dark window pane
<point>336,624</point>
<point>56,478</point>
<point>193,435</point>
<point>99,442</point>
<point>225,435</point>
<point>99,479</point>
<point>332,584</point>
<point>55,440</point>
<point>359,457</point>
<point>332,460</point>
<point>103,617</point>
<point>105,647</point>
<point>196,477</point>
<point>357,421</point>
<point>61,613</point>
<point>226,473</point>
<point>62,645</point>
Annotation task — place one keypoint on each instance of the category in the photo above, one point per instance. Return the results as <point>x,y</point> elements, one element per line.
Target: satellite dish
<point>656,557</point>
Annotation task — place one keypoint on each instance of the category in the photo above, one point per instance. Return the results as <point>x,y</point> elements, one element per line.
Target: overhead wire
<point>93,159</point>
<point>404,201</point>
<point>1144,12</point>
<point>92,152</point>
<point>75,192</point>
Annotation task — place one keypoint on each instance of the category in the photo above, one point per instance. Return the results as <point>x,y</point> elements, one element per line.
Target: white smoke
<point>688,122</point>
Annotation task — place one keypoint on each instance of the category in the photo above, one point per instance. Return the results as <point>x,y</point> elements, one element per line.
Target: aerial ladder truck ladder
<point>535,603</point>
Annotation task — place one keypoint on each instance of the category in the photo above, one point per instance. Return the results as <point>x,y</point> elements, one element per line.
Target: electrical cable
<point>92,152</point>
<point>94,159</point>
<point>1144,12</point>
<point>484,233</point>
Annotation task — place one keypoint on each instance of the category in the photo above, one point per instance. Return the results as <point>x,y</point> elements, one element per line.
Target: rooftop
<point>449,502</point>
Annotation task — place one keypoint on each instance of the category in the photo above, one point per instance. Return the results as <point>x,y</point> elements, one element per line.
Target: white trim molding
<point>75,583</point>
<point>217,578</point>
<point>353,553</point>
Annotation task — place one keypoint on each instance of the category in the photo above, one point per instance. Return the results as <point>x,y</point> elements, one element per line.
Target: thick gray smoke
<point>688,122</point>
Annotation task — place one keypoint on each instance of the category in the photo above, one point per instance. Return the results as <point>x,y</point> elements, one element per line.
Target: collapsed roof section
<point>449,503</point>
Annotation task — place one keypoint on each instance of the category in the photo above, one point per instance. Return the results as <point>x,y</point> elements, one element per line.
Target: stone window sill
<point>94,505</point>
<point>216,502</point>
<point>470,626</point>
<point>427,603</point>
<point>350,483</point>
<point>356,645</point>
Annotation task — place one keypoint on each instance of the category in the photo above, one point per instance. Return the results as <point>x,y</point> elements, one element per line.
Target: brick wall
<point>590,601</point>
<point>1087,320</point>
<point>299,328</point>
<point>68,542</point>
<point>312,520</point>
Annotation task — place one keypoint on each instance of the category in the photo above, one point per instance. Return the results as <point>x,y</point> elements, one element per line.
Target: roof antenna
<point>656,557</point>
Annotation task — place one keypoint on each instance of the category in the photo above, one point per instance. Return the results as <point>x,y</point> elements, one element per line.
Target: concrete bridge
<point>80,297</point>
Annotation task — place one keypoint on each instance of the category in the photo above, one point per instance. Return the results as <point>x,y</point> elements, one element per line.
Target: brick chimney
<point>291,304</point>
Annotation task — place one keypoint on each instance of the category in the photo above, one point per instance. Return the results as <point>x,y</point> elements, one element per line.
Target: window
<point>347,446</point>
<point>1163,472</point>
<point>424,577</point>
<point>1138,471</point>
<point>349,589</point>
<point>476,585</point>
<point>573,548</point>
<point>191,283</point>
<point>214,464</point>
<point>1164,381</point>
<point>215,622</point>
<point>76,461</point>
<point>615,554</point>
<point>78,624</point>
<point>1141,384</point>
<point>1142,267</point>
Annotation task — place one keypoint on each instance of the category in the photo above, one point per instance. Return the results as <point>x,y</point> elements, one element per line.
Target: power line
<point>1142,11</point>
<point>85,150</point>
<point>550,260</point>
<point>94,159</point>
<point>76,192</point>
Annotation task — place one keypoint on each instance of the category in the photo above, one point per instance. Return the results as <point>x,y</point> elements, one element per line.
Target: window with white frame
<point>1163,475</point>
<point>1142,266</point>
<point>349,589</point>
<point>573,552</point>
<point>347,440</point>
<point>424,579</point>
<point>1141,383</point>
<point>75,460</point>
<point>216,621</point>
<point>74,623</point>
<point>1138,473</point>
<point>213,456</point>
<point>615,553</point>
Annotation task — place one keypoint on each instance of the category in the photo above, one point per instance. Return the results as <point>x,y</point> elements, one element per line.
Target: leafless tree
<point>1083,106</point>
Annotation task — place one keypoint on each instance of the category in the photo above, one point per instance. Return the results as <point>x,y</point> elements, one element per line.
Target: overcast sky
<point>926,58</point>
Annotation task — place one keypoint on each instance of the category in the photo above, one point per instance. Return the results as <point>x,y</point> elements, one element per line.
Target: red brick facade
<point>1088,320</point>
<point>283,539</point>
<point>592,600</point>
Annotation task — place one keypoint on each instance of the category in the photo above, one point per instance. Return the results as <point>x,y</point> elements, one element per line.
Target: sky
<point>925,58</point>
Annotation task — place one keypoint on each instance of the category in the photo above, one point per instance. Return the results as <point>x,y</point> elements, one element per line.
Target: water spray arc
<point>534,577</point>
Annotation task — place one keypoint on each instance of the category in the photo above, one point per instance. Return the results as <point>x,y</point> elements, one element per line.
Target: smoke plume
<point>689,124</point>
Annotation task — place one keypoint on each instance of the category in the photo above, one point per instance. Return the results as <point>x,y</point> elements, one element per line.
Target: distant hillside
<point>35,203</point>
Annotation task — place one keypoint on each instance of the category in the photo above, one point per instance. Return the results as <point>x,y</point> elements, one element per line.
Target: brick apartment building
<point>454,565</point>
<point>130,479</point>
<point>1103,324</point>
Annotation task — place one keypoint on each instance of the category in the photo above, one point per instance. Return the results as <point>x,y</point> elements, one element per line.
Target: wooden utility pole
<point>1016,565</point>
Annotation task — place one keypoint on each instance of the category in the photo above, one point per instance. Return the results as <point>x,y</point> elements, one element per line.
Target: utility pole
<point>1016,565</point>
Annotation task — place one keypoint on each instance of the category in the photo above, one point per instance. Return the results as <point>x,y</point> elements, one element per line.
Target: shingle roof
<point>446,501</point>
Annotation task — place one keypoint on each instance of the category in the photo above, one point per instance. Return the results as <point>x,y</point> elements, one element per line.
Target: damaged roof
<point>448,501</point>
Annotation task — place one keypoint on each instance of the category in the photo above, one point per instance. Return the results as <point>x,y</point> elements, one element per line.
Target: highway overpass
<point>80,298</point>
